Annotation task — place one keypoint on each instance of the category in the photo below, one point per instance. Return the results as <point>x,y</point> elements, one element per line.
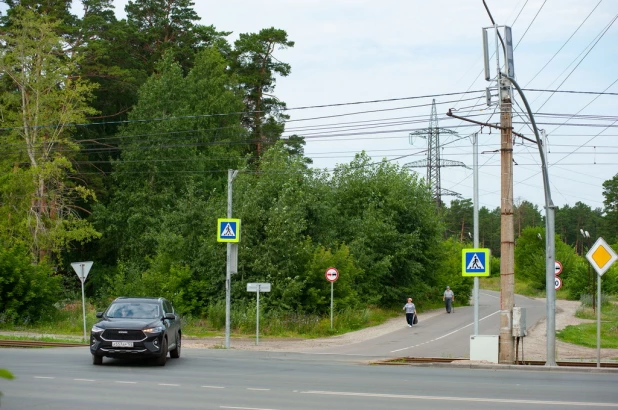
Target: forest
<point>116,138</point>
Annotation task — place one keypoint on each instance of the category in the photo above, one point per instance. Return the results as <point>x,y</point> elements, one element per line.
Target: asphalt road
<point>65,379</point>
<point>441,335</point>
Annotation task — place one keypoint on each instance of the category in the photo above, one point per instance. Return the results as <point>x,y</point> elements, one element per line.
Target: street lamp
<point>591,279</point>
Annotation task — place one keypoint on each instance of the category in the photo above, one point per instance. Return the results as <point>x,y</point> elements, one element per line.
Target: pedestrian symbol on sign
<point>228,231</point>
<point>475,263</point>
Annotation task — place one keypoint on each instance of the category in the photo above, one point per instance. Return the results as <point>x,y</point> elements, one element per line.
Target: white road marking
<point>119,381</point>
<point>214,387</point>
<point>84,380</point>
<point>469,399</point>
<point>243,408</point>
<point>168,384</point>
<point>443,336</point>
<point>43,377</point>
<point>253,388</point>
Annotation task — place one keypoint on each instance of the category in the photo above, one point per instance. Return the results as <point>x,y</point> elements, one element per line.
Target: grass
<point>66,323</point>
<point>585,334</point>
<point>41,338</point>
<point>521,287</point>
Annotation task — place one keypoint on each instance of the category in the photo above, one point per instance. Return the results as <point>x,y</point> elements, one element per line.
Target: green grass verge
<point>41,338</point>
<point>67,321</point>
<point>586,333</point>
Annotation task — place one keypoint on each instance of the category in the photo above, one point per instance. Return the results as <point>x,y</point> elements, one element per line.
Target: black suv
<point>136,327</point>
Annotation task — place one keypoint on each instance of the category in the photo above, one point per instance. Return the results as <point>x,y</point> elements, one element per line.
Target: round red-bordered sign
<point>557,267</point>
<point>557,282</point>
<point>331,274</point>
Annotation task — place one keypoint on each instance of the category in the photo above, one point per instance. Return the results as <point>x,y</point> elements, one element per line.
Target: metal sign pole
<point>476,227</point>
<point>82,279</point>
<point>599,322</point>
<point>257,318</point>
<point>331,305</point>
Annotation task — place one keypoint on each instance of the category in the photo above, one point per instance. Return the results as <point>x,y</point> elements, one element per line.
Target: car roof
<point>136,300</point>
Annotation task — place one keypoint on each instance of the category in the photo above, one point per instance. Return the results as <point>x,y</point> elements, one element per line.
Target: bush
<point>27,292</point>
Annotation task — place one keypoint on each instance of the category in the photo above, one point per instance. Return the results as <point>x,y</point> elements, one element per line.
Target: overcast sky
<point>364,50</point>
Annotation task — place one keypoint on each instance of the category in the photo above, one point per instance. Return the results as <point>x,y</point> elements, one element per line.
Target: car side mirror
<point>170,316</point>
<point>99,315</point>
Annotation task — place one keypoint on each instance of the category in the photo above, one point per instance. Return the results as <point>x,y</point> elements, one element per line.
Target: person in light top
<point>410,312</point>
<point>448,298</point>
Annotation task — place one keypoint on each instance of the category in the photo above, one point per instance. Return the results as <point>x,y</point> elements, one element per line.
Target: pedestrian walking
<point>448,298</point>
<point>410,312</point>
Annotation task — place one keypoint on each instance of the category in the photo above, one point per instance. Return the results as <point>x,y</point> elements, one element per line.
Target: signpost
<point>82,269</point>
<point>601,256</point>
<point>258,287</point>
<point>332,275</point>
<point>475,262</point>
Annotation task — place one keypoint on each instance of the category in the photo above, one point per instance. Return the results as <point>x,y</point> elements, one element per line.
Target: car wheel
<point>97,359</point>
<point>160,361</point>
<point>175,354</point>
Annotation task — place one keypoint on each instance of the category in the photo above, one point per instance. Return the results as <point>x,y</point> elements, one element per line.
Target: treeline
<point>117,137</point>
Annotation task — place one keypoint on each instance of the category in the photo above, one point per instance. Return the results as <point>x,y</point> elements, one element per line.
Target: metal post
<point>507,240</point>
<point>228,266</point>
<point>475,160</point>
<point>599,321</point>
<point>82,279</point>
<point>331,305</point>
<point>257,318</point>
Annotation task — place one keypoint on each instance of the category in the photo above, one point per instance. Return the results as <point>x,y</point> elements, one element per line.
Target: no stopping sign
<point>331,274</point>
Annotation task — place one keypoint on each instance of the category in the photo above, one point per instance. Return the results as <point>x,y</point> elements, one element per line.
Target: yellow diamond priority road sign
<point>601,256</point>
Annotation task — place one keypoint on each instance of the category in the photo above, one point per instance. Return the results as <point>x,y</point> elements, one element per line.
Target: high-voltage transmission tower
<point>433,163</point>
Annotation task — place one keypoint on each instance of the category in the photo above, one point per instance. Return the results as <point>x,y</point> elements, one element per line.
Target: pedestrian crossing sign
<point>228,230</point>
<point>475,262</point>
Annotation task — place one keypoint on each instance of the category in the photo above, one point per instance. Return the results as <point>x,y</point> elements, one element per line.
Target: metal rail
<point>38,343</point>
<point>413,360</point>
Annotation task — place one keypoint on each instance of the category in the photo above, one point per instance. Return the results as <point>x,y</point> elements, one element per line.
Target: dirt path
<point>534,343</point>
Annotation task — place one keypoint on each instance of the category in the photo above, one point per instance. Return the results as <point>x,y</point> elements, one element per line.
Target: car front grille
<point>118,334</point>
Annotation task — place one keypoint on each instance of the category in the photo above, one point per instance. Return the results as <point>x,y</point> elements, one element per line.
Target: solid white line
<point>214,387</point>
<point>243,408</point>
<point>470,399</point>
<point>84,380</point>
<point>253,388</point>
<point>443,336</point>
<point>43,377</point>
<point>119,381</point>
<point>167,384</point>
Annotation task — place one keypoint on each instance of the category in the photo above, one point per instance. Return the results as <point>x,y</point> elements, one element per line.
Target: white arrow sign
<point>558,268</point>
<point>82,269</point>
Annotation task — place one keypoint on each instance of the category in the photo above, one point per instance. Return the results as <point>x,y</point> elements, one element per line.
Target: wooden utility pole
<point>507,238</point>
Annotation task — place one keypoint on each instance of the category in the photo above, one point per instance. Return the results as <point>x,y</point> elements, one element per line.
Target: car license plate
<point>122,344</point>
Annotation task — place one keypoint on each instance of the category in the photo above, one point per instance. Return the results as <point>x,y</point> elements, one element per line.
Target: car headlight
<point>157,329</point>
<point>96,329</point>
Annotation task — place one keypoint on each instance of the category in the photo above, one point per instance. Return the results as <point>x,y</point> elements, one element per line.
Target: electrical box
<point>484,347</point>
<point>519,322</point>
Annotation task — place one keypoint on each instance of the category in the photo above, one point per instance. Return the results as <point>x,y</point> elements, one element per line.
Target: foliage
<point>27,291</point>
<point>610,222</point>
<point>42,97</point>
<point>530,258</point>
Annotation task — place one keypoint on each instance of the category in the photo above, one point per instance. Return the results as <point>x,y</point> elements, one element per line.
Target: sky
<point>411,52</point>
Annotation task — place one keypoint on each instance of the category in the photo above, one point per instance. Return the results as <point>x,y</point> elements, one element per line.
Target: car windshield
<point>133,310</point>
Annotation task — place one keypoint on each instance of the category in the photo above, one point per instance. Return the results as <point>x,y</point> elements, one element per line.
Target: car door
<point>173,324</point>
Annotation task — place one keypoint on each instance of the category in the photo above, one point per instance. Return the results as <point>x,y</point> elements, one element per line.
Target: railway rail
<point>38,343</point>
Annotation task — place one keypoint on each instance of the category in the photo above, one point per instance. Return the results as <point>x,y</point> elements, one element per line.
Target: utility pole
<point>231,174</point>
<point>507,238</point>
<point>504,75</point>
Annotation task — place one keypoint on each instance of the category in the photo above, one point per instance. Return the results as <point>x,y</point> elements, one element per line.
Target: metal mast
<point>433,163</point>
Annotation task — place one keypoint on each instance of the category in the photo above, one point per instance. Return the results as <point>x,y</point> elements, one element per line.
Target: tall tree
<point>610,192</point>
<point>257,67</point>
<point>43,97</point>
